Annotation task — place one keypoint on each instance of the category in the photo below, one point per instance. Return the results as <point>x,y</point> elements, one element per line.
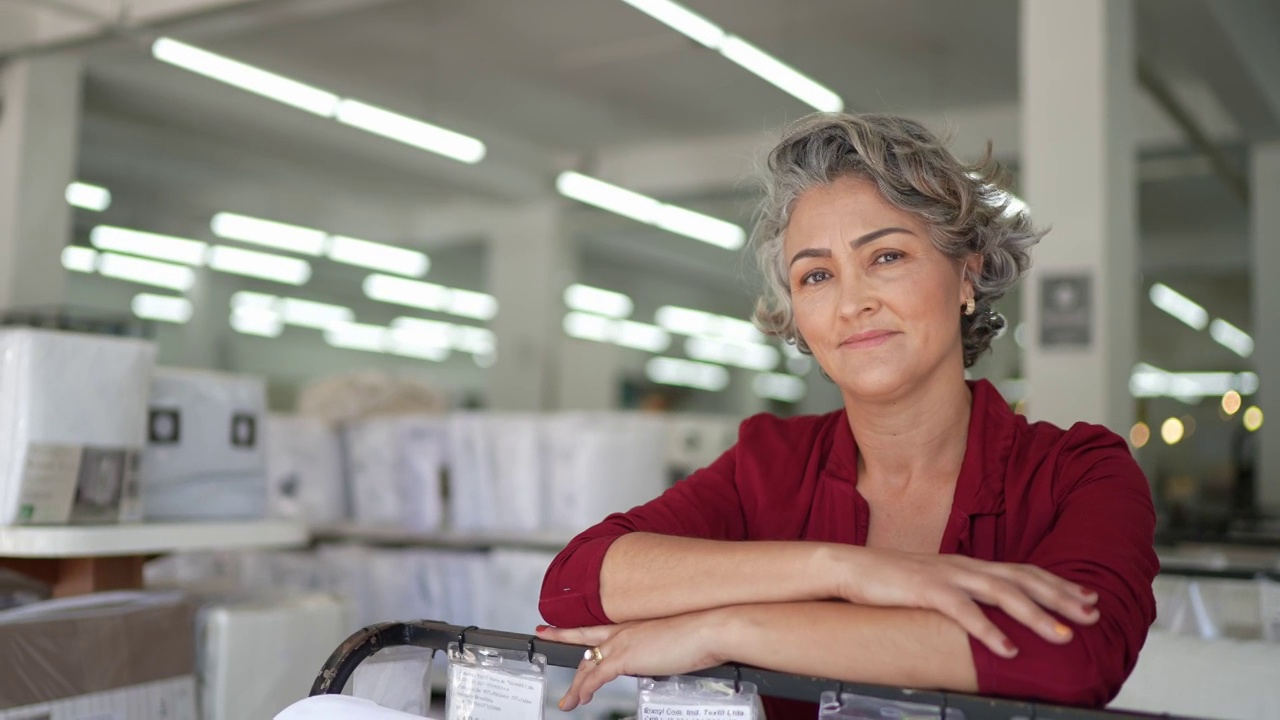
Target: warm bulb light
<point>1231,403</point>
<point>1172,431</point>
<point>1139,435</point>
<point>1253,419</point>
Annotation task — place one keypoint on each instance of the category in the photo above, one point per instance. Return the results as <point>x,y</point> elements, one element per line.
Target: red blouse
<point>1073,502</point>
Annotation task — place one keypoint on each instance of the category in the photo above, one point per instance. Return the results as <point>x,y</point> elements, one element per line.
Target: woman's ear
<point>972,270</point>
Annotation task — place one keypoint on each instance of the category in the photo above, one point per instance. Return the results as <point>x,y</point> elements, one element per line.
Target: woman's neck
<point>921,435</point>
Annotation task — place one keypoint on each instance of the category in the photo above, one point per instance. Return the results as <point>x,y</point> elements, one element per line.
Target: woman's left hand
<point>668,646</point>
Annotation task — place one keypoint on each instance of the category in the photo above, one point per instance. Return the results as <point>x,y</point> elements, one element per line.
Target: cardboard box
<point>108,656</point>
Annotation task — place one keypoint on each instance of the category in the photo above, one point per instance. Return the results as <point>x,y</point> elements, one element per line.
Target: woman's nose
<point>856,295</point>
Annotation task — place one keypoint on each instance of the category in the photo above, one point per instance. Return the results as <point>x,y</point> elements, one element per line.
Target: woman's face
<point>876,302</point>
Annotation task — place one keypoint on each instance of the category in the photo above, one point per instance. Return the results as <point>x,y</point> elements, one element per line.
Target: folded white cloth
<point>340,707</point>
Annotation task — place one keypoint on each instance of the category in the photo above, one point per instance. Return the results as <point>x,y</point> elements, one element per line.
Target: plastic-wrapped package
<point>398,678</point>
<point>204,459</point>
<point>601,463</point>
<point>395,464</point>
<point>695,697</point>
<point>72,423</point>
<point>305,478</point>
<point>492,684</point>
<point>496,472</point>
<point>515,578</point>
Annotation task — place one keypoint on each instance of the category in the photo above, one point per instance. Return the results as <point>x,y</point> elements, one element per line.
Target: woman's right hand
<point>954,585</point>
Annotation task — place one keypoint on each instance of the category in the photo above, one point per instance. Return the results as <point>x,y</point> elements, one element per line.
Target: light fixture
<point>88,197</point>
<point>429,296</point>
<point>164,308</point>
<point>463,338</point>
<point>246,77</point>
<point>376,256</point>
<point>1172,431</point>
<point>1149,381</point>
<point>1139,435</point>
<point>624,333</point>
<point>146,272</point>
<point>751,356</point>
<point>480,342</point>
<point>687,373</point>
<point>600,302</point>
<point>737,50</point>
<point>1253,419</point>
<point>697,323</point>
<point>778,386</point>
<point>645,209</point>
<point>249,263</point>
<point>269,233</point>
<point>410,342</point>
<point>77,258</point>
<point>358,336</point>
<point>409,131</point>
<point>1178,305</point>
<point>308,313</point>
<point>585,326</point>
<point>249,320</point>
<point>1231,402</point>
<point>254,300</point>
<point>1231,337</point>
<point>151,245</point>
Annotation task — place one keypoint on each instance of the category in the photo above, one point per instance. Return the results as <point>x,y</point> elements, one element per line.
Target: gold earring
<point>970,306</point>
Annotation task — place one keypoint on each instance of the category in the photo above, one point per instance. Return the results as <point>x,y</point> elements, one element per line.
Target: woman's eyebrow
<point>869,237</point>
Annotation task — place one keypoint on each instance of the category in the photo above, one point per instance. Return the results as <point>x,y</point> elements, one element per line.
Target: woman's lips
<point>867,339</point>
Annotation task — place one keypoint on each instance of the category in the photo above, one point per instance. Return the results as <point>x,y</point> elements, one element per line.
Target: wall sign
<point>1066,311</point>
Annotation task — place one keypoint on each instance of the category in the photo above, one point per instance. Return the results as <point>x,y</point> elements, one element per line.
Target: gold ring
<point>594,655</point>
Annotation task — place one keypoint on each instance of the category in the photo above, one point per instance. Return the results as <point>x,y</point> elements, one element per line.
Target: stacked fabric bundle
<point>305,479</point>
<point>394,468</point>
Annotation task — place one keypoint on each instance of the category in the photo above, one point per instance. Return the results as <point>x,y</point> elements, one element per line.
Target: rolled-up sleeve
<point>1101,538</point>
<point>704,505</point>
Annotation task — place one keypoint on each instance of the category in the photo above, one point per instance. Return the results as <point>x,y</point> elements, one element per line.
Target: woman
<point>923,536</point>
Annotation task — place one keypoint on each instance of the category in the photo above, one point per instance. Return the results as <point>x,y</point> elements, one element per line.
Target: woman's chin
<point>873,384</point>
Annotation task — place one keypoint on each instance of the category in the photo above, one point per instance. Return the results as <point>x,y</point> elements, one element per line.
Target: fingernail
<point>1062,630</point>
<point>1009,648</point>
<point>561,703</point>
<point>1089,610</point>
<point>542,628</point>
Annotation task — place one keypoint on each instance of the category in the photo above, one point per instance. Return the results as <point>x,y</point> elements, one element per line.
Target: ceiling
<point>558,84</point>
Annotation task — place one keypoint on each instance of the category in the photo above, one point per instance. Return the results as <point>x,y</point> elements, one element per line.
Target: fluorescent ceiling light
<point>682,20</point>
<point>696,323</point>
<point>269,233</point>
<point>434,333</point>
<point>1178,305</point>
<point>308,313</point>
<point>234,261</point>
<point>256,321</point>
<point>429,296</point>
<point>416,342</point>
<point>1231,337</point>
<point>781,75</point>
<point>164,308</point>
<point>376,256</point>
<point>595,300</point>
<point>584,326</point>
<point>88,197</point>
<point>358,336</point>
<point>645,209</point>
<point>1150,381</point>
<point>146,272</point>
<point>79,259</point>
<point>474,340</point>
<point>246,77</point>
<point>255,301</point>
<point>410,131</point>
<point>748,56</point>
<point>625,333</point>
<point>152,245</point>
<point>686,373</point>
<point>751,356</point>
<point>776,386</point>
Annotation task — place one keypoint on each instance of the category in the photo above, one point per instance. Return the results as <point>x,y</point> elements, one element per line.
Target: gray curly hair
<point>965,206</point>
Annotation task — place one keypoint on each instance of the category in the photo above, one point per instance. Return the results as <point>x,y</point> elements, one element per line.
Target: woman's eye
<point>816,276</point>
<point>888,257</point>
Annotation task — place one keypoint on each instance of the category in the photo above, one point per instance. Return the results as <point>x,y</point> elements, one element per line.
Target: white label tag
<point>479,694</point>
<point>47,488</point>
<point>654,711</point>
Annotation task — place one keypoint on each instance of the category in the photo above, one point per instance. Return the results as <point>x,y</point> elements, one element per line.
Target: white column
<point>1265,211</point>
<point>39,137</point>
<point>1078,176</point>
<point>530,264</point>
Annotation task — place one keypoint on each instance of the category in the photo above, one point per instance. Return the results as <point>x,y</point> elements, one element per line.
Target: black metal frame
<point>437,636</point>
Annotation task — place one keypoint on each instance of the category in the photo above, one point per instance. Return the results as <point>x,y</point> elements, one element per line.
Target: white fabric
<point>341,707</point>
<point>71,390</point>
<point>601,463</point>
<point>216,468</point>
<point>516,583</point>
<point>496,473</point>
<point>395,465</point>
<point>1194,677</point>
<point>305,479</point>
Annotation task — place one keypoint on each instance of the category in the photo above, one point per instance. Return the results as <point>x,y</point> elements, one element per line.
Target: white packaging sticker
<point>655,711</point>
<point>482,694</point>
<point>47,488</point>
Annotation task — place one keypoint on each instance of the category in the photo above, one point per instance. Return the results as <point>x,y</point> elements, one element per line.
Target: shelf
<point>147,538</point>
<point>553,541</point>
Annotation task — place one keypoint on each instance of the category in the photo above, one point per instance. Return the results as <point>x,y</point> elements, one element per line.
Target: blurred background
<point>536,211</point>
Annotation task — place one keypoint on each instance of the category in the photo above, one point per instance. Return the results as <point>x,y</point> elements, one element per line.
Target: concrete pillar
<point>1078,170</point>
<point>530,263</point>
<point>39,138</point>
<point>1265,212</point>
